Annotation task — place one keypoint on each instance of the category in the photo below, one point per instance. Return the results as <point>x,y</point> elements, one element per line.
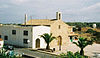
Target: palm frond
<point>83,42</point>
<point>48,38</point>
<point>76,43</point>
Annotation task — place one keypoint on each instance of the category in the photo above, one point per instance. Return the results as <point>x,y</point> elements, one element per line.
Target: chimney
<point>58,15</point>
<point>25,19</point>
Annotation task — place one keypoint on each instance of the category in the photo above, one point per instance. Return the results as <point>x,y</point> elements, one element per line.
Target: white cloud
<point>73,10</point>
<point>19,2</point>
<point>92,8</point>
<point>89,13</point>
<point>95,7</point>
<point>4,6</point>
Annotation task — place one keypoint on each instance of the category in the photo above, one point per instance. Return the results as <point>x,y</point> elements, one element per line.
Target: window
<point>76,38</point>
<point>59,16</point>
<point>13,31</point>
<point>71,38</point>
<point>59,26</point>
<point>0,36</point>
<point>5,37</point>
<point>26,33</point>
<point>25,41</point>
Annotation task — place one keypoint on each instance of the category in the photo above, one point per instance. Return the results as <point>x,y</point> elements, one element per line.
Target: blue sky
<point>12,11</point>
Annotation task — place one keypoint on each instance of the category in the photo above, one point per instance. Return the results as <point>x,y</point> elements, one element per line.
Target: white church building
<point>28,34</point>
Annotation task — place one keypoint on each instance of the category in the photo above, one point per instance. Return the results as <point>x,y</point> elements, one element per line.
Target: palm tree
<point>48,38</point>
<point>82,43</point>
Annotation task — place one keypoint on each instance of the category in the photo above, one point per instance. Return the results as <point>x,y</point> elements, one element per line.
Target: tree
<point>48,38</point>
<point>97,39</point>
<point>82,43</point>
<point>94,33</point>
<point>90,31</point>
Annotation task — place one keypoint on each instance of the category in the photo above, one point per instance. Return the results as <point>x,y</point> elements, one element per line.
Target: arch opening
<point>37,43</point>
<point>59,42</point>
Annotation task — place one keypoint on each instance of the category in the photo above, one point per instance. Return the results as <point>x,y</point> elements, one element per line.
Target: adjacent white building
<point>24,36</point>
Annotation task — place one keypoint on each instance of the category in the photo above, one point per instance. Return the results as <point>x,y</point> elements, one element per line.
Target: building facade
<point>27,35</point>
<point>23,36</point>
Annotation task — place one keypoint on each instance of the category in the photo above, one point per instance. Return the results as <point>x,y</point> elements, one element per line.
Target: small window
<point>59,16</point>
<point>5,37</point>
<point>0,36</point>
<point>59,26</point>
<point>76,38</point>
<point>26,33</point>
<point>13,31</point>
<point>71,38</point>
<point>25,41</point>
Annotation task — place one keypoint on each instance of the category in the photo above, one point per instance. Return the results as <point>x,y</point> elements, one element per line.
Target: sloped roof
<point>40,21</point>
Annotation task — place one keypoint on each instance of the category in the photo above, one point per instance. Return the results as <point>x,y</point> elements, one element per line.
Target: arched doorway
<point>37,43</point>
<point>59,42</point>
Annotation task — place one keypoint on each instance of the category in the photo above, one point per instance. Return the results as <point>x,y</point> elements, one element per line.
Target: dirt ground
<point>89,50</point>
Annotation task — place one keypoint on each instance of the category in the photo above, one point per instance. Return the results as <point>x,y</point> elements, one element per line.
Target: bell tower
<point>58,15</point>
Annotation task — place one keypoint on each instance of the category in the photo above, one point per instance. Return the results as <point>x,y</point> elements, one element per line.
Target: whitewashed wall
<point>40,30</point>
<point>33,34</point>
<point>1,43</point>
<point>18,38</point>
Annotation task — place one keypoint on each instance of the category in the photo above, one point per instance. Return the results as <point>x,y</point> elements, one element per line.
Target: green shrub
<point>63,55</point>
<point>70,54</point>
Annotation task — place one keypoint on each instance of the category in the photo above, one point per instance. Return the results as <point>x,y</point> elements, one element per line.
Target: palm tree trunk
<point>82,51</point>
<point>47,47</point>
